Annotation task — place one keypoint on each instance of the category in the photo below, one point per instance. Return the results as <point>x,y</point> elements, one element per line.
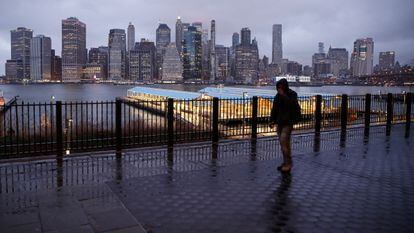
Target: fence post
<point>59,144</point>
<point>318,113</point>
<point>59,130</point>
<point>254,117</point>
<point>215,136</point>
<point>367,114</point>
<point>389,113</point>
<point>118,126</point>
<point>408,101</point>
<point>170,128</point>
<point>344,112</point>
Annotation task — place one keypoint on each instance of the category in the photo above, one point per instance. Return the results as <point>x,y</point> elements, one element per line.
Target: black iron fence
<point>70,127</point>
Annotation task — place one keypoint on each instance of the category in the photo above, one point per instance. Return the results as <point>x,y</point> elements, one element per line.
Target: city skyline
<point>301,31</point>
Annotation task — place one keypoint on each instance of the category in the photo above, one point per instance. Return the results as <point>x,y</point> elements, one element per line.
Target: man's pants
<point>284,133</point>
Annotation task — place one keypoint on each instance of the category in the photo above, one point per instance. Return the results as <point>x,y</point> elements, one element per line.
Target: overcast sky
<point>305,22</point>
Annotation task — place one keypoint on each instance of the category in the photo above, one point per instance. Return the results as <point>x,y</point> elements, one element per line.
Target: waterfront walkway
<point>342,183</point>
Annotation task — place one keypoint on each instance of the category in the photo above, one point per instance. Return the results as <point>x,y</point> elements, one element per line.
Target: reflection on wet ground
<point>340,182</point>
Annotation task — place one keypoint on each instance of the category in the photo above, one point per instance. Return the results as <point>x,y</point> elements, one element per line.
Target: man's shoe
<point>279,168</point>
<point>286,168</point>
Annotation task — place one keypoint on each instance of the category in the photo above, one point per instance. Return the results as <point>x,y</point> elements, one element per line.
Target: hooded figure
<point>285,113</point>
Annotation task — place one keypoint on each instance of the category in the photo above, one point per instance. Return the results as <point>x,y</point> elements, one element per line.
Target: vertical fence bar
<point>59,144</point>
<point>389,113</point>
<point>215,120</point>
<point>254,117</point>
<point>408,102</point>
<point>59,130</point>
<point>215,136</point>
<point>318,113</point>
<point>118,126</point>
<point>344,112</point>
<point>367,114</point>
<point>170,128</point>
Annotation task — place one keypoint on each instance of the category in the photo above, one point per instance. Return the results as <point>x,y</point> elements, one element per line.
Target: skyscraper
<point>277,49</point>
<point>41,58</point>
<point>163,35</point>
<point>338,58</point>
<point>235,39</point>
<point>222,60</point>
<point>245,36</point>
<point>56,67</point>
<point>131,36</point>
<point>178,34</point>
<point>100,56</point>
<point>117,54</point>
<point>386,60</point>
<point>321,47</point>
<point>163,39</point>
<point>73,49</point>
<point>192,53</point>
<point>142,61</point>
<point>213,61</point>
<point>246,59</point>
<point>172,67</point>
<point>20,50</point>
<point>362,58</point>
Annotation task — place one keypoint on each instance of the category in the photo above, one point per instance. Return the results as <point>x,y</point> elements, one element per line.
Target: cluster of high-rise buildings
<point>193,56</point>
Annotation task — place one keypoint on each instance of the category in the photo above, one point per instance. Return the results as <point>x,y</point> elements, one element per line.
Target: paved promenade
<point>339,183</point>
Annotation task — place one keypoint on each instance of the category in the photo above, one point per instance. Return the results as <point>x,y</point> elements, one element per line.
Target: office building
<point>246,59</point>
<point>321,47</point>
<point>163,39</point>
<point>192,54</point>
<point>142,62</point>
<point>362,57</point>
<point>222,55</point>
<point>338,58</point>
<point>14,70</point>
<point>131,36</point>
<point>100,56</point>
<point>386,60</point>
<point>178,35</point>
<point>73,49</point>
<point>277,49</point>
<point>56,67</point>
<point>213,61</point>
<point>20,50</point>
<point>117,54</point>
<point>172,67</point>
<point>41,58</point>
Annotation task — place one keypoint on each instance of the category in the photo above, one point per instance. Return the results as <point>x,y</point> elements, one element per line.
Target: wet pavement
<point>339,183</point>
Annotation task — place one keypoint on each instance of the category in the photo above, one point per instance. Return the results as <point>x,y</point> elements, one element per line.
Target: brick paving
<point>355,184</point>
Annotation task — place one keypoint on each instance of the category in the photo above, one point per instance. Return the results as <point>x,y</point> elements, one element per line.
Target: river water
<point>105,92</point>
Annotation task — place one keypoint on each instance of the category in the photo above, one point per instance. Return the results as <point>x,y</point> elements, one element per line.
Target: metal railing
<point>71,127</point>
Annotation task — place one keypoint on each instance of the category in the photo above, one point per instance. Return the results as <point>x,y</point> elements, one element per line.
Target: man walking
<point>285,113</point>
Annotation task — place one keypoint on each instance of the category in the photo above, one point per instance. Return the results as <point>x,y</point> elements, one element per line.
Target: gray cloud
<point>337,23</point>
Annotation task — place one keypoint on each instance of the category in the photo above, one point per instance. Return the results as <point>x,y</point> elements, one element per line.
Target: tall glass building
<point>20,50</point>
<point>41,58</point>
<point>192,53</point>
<point>117,54</point>
<point>74,51</point>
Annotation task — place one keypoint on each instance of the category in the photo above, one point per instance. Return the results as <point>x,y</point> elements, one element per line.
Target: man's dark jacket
<point>285,109</point>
